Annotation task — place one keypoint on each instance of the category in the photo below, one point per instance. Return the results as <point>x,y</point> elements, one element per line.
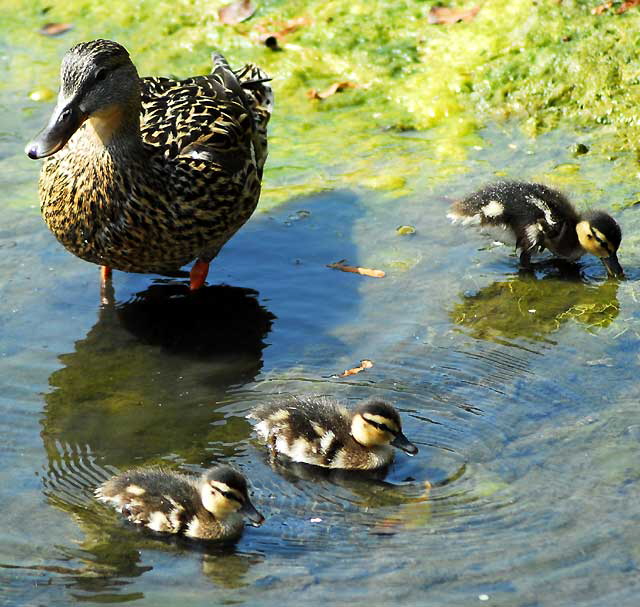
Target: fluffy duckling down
<point>322,432</point>
<point>208,508</point>
<point>538,217</point>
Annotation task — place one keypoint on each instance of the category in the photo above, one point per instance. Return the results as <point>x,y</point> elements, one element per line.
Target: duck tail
<point>256,87</point>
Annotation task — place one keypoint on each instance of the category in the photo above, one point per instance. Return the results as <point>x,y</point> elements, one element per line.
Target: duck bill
<point>613,266</point>
<point>402,442</point>
<point>249,510</point>
<point>64,122</point>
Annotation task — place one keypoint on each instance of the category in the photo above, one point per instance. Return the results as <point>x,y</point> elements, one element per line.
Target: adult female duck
<point>147,174</point>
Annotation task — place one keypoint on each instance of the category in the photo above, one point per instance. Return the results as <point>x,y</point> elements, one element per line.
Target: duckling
<point>539,218</point>
<point>147,174</point>
<point>322,432</point>
<point>208,508</point>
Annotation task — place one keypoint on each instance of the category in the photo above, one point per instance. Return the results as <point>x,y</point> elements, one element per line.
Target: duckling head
<point>98,82</point>
<point>376,423</point>
<point>223,491</point>
<point>600,235</point>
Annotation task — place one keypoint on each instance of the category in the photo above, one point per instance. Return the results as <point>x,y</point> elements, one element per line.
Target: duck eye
<point>590,236</point>
<point>100,74</point>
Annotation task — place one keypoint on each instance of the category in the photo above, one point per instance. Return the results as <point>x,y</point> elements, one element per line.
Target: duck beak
<point>64,122</point>
<point>402,442</point>
<point>249,510</point>
<point>613,266</point>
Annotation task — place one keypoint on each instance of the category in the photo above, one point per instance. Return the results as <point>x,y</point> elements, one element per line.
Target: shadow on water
<point>158,379</point>
<point>141,384</point>
<point>532,308</point>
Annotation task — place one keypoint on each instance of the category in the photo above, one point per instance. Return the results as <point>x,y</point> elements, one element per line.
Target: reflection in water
<point>119,400</point>
<point>145,381</point>
<point>525,307</point>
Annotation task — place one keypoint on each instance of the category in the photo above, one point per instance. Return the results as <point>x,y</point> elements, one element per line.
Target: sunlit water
<point>520,391</point>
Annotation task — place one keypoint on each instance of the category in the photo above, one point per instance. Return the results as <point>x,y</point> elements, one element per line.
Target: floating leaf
<point>236,12</point>
<point>405,230</point>
<point>444,15</point>
<point>336,87</point>
<point>364,364</point>
<point>55,29</point>
<point>339,265</point>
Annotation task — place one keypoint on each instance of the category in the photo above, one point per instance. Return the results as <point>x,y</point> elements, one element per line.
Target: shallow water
<point>521,392</point>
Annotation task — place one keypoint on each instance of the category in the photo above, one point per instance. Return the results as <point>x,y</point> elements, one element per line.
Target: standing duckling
<point>209,508</point>
<point>322,432</point>
<point>539,218</point>
<point>148,174</point>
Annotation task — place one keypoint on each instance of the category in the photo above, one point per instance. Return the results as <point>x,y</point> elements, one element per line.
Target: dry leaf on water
<point>445,15</point>
<point>55,29</point>
<point>236,12</point>
<point>336,87</point>
<point>339,265</point>
<point>364,364</point>
<point>623,8</point>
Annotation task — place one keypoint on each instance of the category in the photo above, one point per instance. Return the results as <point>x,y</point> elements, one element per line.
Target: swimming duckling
<point>539,218</point>
<point>322,432</point>
<point>208,508</point>
<point>148,174</point>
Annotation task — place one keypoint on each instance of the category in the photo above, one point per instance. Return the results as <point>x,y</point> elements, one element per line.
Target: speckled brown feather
<point>193,182</point>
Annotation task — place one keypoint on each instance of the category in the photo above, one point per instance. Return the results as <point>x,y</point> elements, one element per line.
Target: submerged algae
<point>540,63</point>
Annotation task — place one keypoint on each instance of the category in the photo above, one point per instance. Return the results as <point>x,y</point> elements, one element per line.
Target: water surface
<point>521,392</point>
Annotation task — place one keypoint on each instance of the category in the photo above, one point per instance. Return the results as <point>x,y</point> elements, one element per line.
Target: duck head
<point>98,82</point>
<point>600,235</point>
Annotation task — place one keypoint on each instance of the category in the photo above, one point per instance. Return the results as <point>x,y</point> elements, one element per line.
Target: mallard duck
<point>209,508</point>
<point>539,218</point>
<point>147,174</point>
<point>322,432</point>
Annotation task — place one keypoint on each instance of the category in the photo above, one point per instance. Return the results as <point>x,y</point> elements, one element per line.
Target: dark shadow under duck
<point>538,218</point>
<point>147,174</point>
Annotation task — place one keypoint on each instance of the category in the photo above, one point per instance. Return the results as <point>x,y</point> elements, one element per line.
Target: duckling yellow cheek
<point>587,240</point>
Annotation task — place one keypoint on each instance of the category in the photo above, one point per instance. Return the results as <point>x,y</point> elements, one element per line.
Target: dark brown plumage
<point>147,174</point>
<point>538,217</point>
<point>322,432</point>
<point>207,508</point>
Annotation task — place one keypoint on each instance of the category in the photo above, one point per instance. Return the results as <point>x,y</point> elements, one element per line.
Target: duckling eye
<point>101,74</point>
<point>590,236</point>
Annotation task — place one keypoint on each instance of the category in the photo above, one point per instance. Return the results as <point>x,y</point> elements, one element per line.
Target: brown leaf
<point>445,15</point>
<point>627,5</point>
<point>364,364</point>
<point>601,8</point>
<point>339,265</point>
<point>237,11</point>
<point>336,87</point>
<point>55,29</point>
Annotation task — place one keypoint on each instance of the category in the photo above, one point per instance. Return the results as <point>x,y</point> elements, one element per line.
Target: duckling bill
<point>209,508</point>
<point>538,218</point>
<point>322,432</point>
<point>148,174</point>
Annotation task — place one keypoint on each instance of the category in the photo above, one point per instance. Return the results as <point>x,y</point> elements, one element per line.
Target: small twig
<point>340,265</point>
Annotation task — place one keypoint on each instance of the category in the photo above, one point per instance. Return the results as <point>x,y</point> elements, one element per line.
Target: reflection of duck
<point>322,432</point>
<point>210,508</point>
<point>539,217</point>
<point>530,308</point>
<point>146,174</point>
<point>145,380</point>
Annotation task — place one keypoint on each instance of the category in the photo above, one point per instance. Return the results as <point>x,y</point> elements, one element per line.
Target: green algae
<point>540,64</point>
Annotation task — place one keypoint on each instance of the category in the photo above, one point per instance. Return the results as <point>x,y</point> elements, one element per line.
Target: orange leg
<point>198,274</point>
<point>106,289</point>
